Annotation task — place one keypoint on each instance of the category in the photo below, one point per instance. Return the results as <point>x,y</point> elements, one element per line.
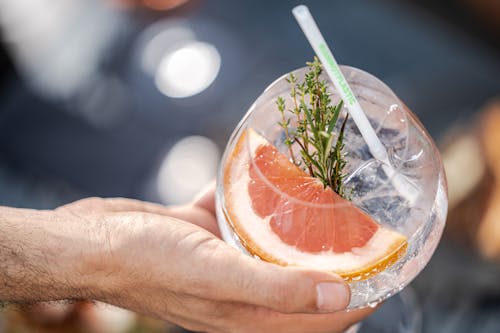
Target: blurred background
<point>137,98</point>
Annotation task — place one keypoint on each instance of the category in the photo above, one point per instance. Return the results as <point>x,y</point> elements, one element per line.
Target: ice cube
<point>372,191</point>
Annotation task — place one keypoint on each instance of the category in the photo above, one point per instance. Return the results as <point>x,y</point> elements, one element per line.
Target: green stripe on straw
<point>335,69</point>
<point>318,43</point>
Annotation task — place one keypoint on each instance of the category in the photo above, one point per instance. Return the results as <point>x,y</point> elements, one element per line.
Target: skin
<point>164,262</point>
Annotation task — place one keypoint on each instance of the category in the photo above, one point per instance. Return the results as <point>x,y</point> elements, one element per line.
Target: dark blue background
<point>50,153</point>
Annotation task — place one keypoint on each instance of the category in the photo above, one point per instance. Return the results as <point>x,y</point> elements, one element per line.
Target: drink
<point>378,238</point>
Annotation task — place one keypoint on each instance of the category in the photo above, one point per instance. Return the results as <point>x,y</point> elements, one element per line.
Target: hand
<point>143,257</point>
<point>177,271</point>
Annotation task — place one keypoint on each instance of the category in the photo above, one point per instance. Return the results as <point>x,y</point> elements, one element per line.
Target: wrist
<point>73,254</point>
<point>84,255</point>
<point>59,254</point>
<point>70,249</point>
<point>32,248</point>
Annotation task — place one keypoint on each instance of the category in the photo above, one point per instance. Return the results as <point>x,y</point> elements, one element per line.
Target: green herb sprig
<point>315,119</point>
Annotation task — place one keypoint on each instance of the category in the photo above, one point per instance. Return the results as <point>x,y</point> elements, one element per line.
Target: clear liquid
<point>415,159</point>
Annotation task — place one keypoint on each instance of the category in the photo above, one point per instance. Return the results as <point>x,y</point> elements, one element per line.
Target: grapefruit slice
<point>284,216</point>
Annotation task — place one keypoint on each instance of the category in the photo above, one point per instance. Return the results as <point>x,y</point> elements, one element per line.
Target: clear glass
<point>412,154</point>
<point>399,314</point>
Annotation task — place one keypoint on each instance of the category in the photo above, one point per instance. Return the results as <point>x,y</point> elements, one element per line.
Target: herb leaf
<point>315,119</point>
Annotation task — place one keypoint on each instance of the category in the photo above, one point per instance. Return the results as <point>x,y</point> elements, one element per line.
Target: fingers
<point>292,290</point>
<point>191,213</point>
<point>241,318</point>
<point>184,261</point>
<point>232,276</point>
<point>197,216</point>
<point>263,320</point>
<point>206,198</point>
<point>200,212</point>
<point>212,269</point>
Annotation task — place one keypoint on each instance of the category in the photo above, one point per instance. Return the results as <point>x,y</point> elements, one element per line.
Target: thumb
<point>234,276</point>
<point>292,289</point>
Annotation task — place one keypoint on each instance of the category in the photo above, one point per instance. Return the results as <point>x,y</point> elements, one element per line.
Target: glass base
<point>399,314</point>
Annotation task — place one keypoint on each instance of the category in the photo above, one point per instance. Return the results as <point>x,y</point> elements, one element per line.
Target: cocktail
<point>302,184</point>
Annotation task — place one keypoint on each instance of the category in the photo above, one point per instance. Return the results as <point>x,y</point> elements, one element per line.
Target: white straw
<point>318,43</point>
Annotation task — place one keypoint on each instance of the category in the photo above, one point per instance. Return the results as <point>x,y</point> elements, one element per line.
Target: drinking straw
<point>318,43</point>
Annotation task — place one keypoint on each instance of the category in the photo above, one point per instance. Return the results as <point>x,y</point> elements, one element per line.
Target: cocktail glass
<point>408,227</point>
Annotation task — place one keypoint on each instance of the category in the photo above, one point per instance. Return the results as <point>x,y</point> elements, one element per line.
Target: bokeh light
<point>57,61</point>
<point>188,70</point>
<point>189,165</point>
<point>160,39</point>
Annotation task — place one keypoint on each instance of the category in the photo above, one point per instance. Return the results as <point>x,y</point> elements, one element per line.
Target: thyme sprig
<point>315,119</point>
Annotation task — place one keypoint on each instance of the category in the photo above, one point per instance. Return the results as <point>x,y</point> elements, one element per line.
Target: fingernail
<point>331,296</point>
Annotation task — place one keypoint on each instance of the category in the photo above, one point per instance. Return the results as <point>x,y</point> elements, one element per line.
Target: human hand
<point>179,272</point>
<point>143,257</point>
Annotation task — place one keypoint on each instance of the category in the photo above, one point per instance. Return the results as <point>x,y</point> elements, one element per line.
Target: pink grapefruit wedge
<point>284,216</point>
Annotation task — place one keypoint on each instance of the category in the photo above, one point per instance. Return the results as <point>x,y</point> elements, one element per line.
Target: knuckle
<point>91,201</point>
<point>83,204</point>
<point>77,208</point>
<point>202,248</point>
<point>203,245</point>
